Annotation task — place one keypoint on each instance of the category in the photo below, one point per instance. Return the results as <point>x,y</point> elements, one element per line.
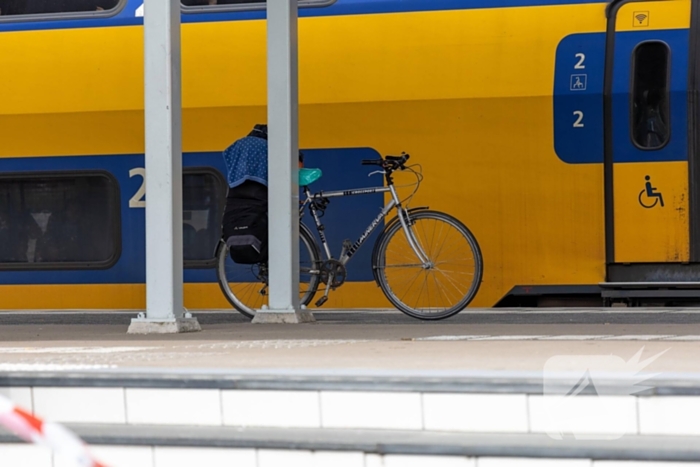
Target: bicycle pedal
<point>321,301</point>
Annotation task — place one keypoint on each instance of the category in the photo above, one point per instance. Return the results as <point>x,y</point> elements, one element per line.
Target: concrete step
<point>362,447</point>
<point>464,416</point>
<point>502,402</point>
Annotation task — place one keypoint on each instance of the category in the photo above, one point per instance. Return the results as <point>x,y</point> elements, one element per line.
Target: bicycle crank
<point>333,273</point>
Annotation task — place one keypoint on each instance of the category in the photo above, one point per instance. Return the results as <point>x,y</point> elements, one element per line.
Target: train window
<point>59,221</point>
<point>204,195</point>
<point>650,95</point>
<point>53,7</point>
<point>228,5</point>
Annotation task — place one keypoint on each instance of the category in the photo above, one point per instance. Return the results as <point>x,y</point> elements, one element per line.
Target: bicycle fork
<point>408,232</point>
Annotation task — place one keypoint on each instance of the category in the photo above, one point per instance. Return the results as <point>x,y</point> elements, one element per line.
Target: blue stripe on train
<point>126,17</point>
<point>345,218</point>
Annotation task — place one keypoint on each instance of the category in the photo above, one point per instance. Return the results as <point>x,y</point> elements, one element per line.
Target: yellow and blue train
<point>564,133</point>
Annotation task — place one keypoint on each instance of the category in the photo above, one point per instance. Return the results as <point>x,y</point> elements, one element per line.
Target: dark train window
<point>51,7</point>
<point>650,95</point>
<point>50,221</point>
<point>204,195</point>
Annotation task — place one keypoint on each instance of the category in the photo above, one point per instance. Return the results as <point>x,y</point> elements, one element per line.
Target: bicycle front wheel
<point>245,286</point>
<point>443,285</point>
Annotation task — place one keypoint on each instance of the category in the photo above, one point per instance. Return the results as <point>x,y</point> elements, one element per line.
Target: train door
<point>648,214</point>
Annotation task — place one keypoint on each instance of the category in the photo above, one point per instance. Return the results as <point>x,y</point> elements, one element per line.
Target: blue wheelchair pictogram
<point>578,82</point>
<point>649,193</point>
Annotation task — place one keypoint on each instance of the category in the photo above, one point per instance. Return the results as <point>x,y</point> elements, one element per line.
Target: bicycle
<point>417,259</point>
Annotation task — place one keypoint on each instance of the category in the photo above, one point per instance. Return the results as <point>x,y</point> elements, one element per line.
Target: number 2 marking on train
<point>579,120</point>
<point>581,58</point>
<point>137,200</point>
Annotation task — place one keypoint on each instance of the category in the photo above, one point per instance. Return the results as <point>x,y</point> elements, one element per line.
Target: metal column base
<point>163,326</point>
<point>283,317</point>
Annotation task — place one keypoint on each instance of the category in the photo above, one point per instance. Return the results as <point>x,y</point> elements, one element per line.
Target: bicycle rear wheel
<point>446,283</point>
<point>245,286</point>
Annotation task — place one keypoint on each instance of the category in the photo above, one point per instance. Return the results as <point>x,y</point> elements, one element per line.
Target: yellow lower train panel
<point>133,297</point>
<point>651,212</point>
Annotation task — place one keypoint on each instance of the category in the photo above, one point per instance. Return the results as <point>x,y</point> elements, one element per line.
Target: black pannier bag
<point>245,223</point>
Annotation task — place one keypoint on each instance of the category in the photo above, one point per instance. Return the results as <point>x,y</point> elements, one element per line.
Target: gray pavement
<point>478,340</point>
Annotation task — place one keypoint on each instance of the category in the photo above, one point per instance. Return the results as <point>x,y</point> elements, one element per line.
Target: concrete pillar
<point>283,168</point>
<point>163,101</point>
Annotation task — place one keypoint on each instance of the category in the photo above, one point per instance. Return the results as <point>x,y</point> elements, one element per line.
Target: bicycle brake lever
<point>376,172</point>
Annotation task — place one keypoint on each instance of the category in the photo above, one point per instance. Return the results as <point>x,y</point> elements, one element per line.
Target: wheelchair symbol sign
<point>578,83</point>
<point>649,197</point>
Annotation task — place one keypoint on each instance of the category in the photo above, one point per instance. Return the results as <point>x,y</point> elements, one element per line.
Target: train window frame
<point>65,16</point>
<point>223,191</point>
<point>252,6</point>
<point>667,105</point>
<point>116,208</point>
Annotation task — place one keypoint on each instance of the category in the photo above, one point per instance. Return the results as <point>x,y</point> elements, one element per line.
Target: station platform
<point>362,388</point>
<point>515,340</point>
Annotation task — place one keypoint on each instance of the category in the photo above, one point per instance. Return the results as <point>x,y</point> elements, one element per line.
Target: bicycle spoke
<point>455,272</point>
<point>405,251</point>
<point>451,292</point>
<point>440,291</point>
<point>408,289</point>
<point>442,245</point>
<point>423,287</point>
<point>452,281</point>
<point>427,247</point>
<point>456,252</point>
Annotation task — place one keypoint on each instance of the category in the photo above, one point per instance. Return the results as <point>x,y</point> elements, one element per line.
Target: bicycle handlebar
<point>389,162</point>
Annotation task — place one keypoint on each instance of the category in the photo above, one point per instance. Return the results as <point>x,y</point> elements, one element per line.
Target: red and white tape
<point>49,434</point>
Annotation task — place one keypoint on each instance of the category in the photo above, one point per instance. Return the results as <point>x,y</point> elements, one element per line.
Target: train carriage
<point>562,132</point>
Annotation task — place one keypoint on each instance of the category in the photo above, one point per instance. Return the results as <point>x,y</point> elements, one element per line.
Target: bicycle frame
<point>349,250</point>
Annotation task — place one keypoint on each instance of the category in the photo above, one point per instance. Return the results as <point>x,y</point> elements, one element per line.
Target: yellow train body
<point>468,92</point>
